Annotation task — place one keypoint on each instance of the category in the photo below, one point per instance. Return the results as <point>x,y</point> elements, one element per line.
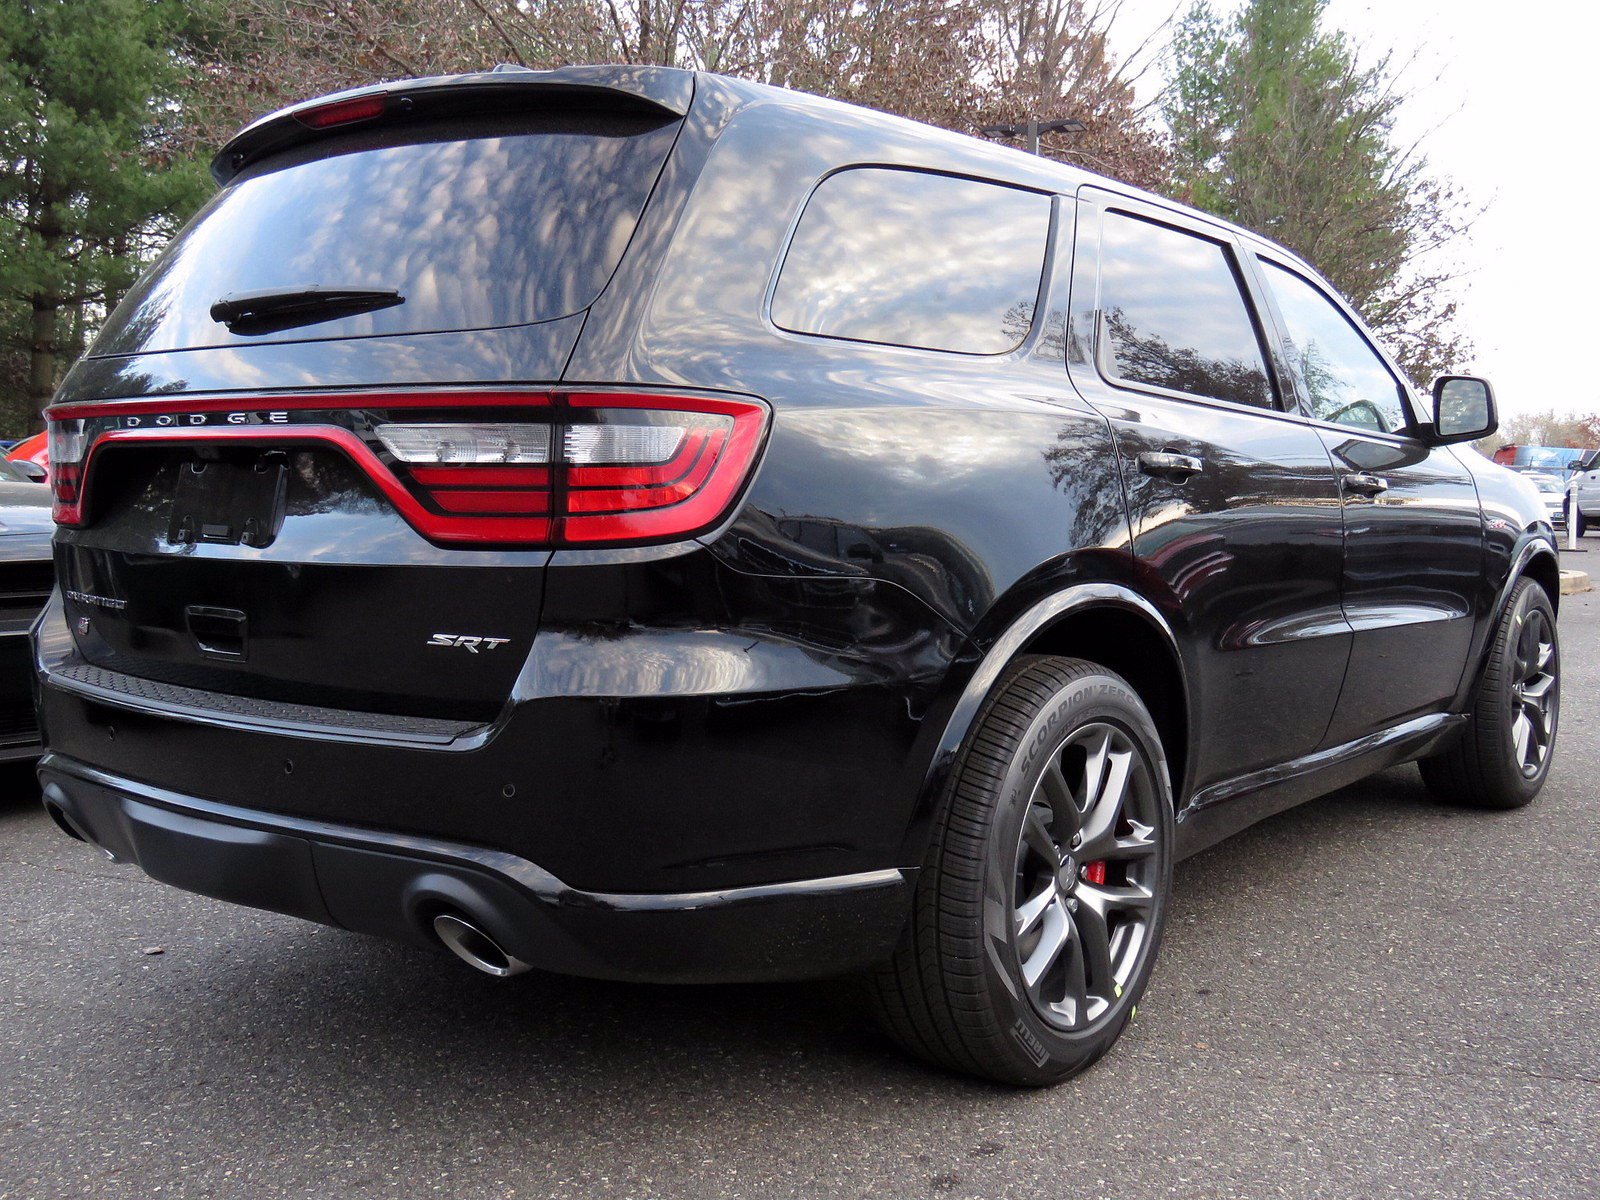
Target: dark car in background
<point>652,526</point>
<point>27,575</point>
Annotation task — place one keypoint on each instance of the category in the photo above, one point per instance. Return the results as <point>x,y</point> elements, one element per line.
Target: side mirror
<point>1463,409</point>
<point>29,468</point>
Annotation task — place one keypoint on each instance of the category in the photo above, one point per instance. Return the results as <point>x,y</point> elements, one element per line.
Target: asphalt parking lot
<point>1373,995</point>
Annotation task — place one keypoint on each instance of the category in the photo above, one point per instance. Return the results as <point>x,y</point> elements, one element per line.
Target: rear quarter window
<point>910,258</point>
<point>494,221</point>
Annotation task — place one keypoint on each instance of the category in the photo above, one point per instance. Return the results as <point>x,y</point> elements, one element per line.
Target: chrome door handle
<point>1363,484</point>
<point>1170,465</point>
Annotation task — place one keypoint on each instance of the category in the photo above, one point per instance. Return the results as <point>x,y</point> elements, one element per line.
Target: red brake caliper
<point>1095,872</point>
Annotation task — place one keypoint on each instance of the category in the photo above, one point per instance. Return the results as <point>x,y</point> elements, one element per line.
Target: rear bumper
<point>661,756</point>
<point>392,885</point>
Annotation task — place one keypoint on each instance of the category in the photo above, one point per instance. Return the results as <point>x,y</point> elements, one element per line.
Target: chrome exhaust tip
<point>475,947</point>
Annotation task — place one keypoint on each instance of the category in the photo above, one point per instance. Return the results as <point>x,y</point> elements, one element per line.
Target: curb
<point>1574,581</point>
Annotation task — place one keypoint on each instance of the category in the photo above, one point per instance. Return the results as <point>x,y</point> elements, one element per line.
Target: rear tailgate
<point>268,552</point>
<point>285,543</point>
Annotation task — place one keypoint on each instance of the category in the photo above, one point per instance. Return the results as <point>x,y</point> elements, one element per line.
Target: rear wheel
<point>1503,755</point>
<point>1040,909</point>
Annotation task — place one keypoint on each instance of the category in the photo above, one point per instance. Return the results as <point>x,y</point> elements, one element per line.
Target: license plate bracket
<point>225,503</point>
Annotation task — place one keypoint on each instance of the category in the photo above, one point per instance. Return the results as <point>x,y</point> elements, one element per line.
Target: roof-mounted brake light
<point>342,112</point>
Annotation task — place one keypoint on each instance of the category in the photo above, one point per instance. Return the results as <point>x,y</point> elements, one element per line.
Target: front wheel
<point>1503,755</point>
<point>1040,909</point>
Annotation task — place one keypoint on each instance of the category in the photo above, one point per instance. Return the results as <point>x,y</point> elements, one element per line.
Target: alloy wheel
<point>1535,694</point>
<point>1086,873</point>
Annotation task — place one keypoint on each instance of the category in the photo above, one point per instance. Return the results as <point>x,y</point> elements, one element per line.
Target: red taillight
<point>482,467</point>
<point>66,443</point>
<point>575,468</point>
<point>663,492</point>
<point>342,112</point>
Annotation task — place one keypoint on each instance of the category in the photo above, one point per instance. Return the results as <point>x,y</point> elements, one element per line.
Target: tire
<point>1580,522</point>
<point>991,898</point>
<point>1503,756</point>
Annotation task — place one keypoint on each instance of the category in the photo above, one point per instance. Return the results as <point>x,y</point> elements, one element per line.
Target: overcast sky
<point>1504,102</point>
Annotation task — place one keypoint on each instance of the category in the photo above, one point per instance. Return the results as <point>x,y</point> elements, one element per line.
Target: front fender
<point>1532,552</point>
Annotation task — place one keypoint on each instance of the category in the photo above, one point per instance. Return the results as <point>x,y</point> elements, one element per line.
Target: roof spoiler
<point>665,91</point>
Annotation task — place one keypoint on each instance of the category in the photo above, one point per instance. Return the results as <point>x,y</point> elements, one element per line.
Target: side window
<point>1346,380</point>
<point>1174,316</point>
<point>907,258</point>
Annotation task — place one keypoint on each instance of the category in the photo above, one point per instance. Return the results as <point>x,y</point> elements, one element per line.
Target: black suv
<point>653,526</point>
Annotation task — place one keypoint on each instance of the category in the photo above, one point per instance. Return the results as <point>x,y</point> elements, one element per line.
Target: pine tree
<point>1275,125</point>
<point>90,183</point>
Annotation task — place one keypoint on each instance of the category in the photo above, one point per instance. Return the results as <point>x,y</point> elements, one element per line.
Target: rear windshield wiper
<point>283,308</point>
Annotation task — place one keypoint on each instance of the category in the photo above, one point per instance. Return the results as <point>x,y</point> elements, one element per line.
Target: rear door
<point>1414,550</point>
<point>1236,520</point>
<point>347,507</point>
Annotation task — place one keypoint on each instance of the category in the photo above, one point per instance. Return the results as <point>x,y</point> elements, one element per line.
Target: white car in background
<point>1553,491</point>
<point>1587,488</point>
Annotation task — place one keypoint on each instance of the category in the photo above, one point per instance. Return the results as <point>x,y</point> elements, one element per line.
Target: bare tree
<point>1050,59</point>
<point>956,63</point>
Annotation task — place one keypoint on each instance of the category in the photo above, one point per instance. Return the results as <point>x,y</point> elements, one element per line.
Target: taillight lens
<point>457,445</point>
<point>598,468</point>
<point>476,468</point>
<point>66,443</point>
<point>639,471</point>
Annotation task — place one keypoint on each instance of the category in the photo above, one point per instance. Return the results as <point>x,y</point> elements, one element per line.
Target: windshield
<point>500,220</point>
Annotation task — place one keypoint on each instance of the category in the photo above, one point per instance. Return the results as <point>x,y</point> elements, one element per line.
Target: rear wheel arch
<point>1138,646</point>
<point>1107,624</point>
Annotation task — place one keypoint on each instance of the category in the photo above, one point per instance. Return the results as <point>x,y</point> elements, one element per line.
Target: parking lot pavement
<point>1373,995</point>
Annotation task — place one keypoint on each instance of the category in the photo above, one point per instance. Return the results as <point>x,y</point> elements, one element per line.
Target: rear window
<point>489,222</point>
<point>909,258</point>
